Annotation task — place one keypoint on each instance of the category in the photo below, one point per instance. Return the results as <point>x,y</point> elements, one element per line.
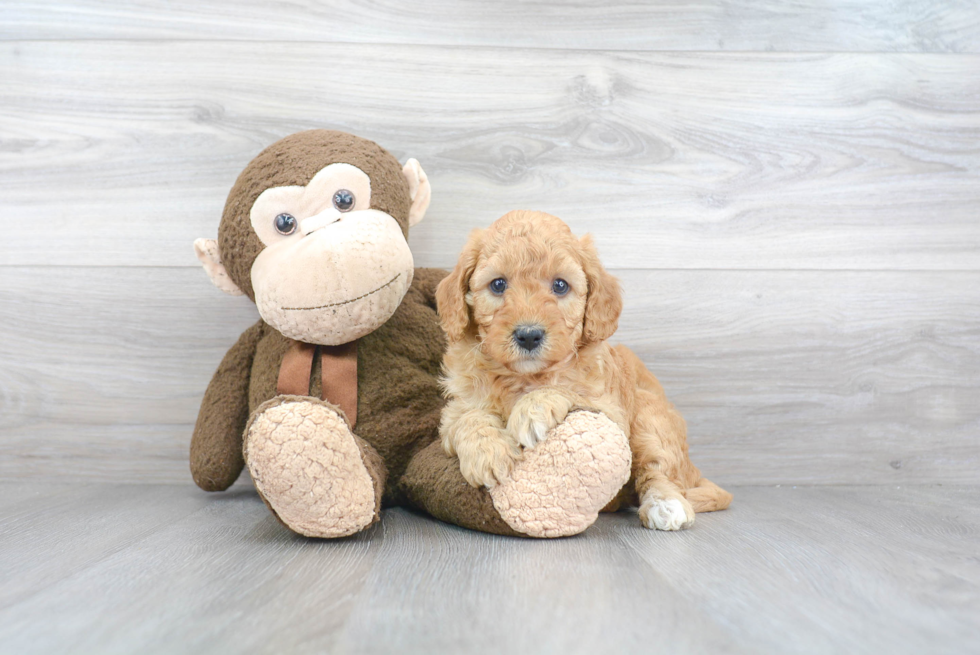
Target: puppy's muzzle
<point>528,337</point>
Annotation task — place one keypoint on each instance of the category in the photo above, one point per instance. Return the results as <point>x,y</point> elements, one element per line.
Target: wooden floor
<point>106,568</point>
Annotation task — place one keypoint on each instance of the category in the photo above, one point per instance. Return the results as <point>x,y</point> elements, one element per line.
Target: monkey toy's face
<point>321,249</point>
<point>333,269</point>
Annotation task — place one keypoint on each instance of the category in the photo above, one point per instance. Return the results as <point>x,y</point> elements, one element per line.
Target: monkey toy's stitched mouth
<point>345,302</point>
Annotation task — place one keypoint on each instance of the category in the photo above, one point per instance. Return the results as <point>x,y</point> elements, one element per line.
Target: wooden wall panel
<point>790,192</point>
<point>801,377</point>
<point>709,25</point>
<point>121,153</point>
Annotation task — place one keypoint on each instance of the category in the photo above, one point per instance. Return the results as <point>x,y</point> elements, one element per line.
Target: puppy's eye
<point>498,286</point>
<point>343,200</point>
<point>285,223</point>
<point>559,287</point>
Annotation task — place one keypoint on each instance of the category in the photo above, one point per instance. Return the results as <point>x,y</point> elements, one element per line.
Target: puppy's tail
<point>706,496</point>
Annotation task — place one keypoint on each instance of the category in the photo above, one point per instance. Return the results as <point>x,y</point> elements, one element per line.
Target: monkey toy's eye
<point>343,200</point>
<point>498,286</point>
<point>285,223</point>
<point>559,287</point>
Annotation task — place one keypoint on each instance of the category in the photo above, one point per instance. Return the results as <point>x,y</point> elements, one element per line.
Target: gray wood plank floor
<point>164,569</point>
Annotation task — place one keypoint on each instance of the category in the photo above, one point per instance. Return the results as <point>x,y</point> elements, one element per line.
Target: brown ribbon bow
<point>338,374</point>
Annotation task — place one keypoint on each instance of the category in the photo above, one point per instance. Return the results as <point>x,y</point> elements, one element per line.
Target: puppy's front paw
<point>536,414</point>
<point>487,457</point>
<point>666,513</point>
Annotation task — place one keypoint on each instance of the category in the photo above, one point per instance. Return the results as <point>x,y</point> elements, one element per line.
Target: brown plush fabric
<point>434,484</point>
<point>398,402</point>
<point>376,468</point>
<point>294,160</point>
<point>216,447</point>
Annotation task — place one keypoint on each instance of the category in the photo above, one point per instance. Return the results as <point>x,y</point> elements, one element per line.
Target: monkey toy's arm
<point>216,447</point>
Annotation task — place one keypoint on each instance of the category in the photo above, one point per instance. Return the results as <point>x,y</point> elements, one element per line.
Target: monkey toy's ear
<point>418,189</point>
<point>209,255</point>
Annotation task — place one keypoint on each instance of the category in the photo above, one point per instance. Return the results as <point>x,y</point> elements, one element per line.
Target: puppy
<point>527,312</point>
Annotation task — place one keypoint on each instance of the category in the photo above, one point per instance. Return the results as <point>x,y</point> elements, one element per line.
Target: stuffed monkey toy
<point>332,398</point>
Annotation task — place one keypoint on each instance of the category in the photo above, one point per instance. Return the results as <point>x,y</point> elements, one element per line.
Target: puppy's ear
<point>605,302</point>
<point>454,313</point>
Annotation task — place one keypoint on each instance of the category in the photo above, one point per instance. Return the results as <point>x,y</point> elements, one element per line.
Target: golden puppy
<point>527,312</point>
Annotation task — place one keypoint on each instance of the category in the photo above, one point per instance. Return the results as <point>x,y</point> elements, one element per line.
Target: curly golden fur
<point>504,396</point>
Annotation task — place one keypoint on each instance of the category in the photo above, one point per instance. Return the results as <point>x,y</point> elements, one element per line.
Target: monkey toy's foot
<point>317,477</point>
<point>561,484</point>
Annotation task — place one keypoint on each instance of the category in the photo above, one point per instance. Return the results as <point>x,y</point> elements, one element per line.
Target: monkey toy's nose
<point>321,220</point>
<point>528,338</point>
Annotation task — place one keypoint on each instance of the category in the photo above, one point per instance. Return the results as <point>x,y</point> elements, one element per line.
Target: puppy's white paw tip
<point>665,514</point>
<point>532,432</point>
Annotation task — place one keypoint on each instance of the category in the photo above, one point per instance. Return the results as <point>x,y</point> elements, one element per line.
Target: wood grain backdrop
<point>790,195</point>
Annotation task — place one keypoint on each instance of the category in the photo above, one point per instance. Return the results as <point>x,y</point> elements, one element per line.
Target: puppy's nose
<point>528,338</point>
